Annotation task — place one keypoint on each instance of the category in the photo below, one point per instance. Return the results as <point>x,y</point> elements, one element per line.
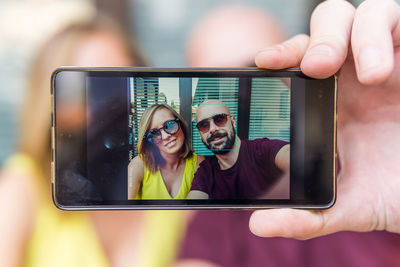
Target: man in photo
<point>240,169</point>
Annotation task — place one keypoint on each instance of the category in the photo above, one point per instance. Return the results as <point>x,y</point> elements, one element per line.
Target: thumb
<point>292,223</point>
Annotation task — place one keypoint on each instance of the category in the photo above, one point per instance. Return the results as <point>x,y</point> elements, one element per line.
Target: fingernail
<point>320,50</point>
<point>369,57</point>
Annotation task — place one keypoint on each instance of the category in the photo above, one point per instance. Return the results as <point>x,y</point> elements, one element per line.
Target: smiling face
<point>170,143</point>
<point>219,135</point>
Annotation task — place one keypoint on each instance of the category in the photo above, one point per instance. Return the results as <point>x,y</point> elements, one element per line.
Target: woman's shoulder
<point>200,158</point>
<point>136,162</point>
<point>137,166</point>
<point>197,159</point>
<point>21,173</point>
<point>18,187</point>
<point>18,203</point>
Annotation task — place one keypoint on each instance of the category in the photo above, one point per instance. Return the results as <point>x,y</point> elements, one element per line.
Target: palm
<point>368,139</point>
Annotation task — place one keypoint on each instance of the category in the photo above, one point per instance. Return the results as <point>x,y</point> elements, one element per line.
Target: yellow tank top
<point>153,186</point>
<point>62,238</point>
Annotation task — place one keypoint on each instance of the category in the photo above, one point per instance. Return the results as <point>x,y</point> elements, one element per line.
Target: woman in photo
<point>165,166</point>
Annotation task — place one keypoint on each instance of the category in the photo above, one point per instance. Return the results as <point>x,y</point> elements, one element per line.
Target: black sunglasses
<point>219,120</point>
<point>170,127</point>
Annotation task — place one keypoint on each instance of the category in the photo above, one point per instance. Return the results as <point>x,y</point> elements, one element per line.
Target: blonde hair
<point>150,153</point>
<point>34,138</point>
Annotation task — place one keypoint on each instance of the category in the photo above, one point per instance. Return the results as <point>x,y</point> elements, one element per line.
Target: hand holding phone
<point>368,108</point>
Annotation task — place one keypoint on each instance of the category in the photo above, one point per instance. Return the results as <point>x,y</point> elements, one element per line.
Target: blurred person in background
<point>231,37</point>
<point>33,231</point>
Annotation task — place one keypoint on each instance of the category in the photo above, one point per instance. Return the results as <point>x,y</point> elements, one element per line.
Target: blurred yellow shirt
<point>62,238</point>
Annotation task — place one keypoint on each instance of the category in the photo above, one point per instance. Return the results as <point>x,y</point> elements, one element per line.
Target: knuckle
<point>333,5</point>
<point>294,46</point>
<point>378,6</point>
<point>336,41</point>
<point>373,15</point>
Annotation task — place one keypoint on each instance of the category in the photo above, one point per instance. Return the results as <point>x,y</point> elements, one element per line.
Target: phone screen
<point>192,138</point>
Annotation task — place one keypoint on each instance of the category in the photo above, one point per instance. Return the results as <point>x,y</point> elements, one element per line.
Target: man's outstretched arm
<point>282,158</point>
<point>196,194</point>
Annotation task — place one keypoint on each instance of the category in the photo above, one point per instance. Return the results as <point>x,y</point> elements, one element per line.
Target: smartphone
<point>192,138</point>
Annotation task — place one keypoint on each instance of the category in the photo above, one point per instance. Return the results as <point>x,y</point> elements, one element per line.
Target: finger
<point>305,224</point>
<point>290,223</point>
<point>330,29</point>
<point>375,23</point>
<point>348,213</point>
<point>285,55</point>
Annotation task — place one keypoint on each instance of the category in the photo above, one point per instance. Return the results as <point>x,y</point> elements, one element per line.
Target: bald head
<point>230,36</point>
<point>102,48</point>
<point>211,107</point>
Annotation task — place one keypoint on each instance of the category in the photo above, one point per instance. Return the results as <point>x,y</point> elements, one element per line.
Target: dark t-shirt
<point>223,238</point>
<point>251,176</point>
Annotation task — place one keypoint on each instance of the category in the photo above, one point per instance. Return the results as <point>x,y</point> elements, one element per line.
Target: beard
<point>224,147</point>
